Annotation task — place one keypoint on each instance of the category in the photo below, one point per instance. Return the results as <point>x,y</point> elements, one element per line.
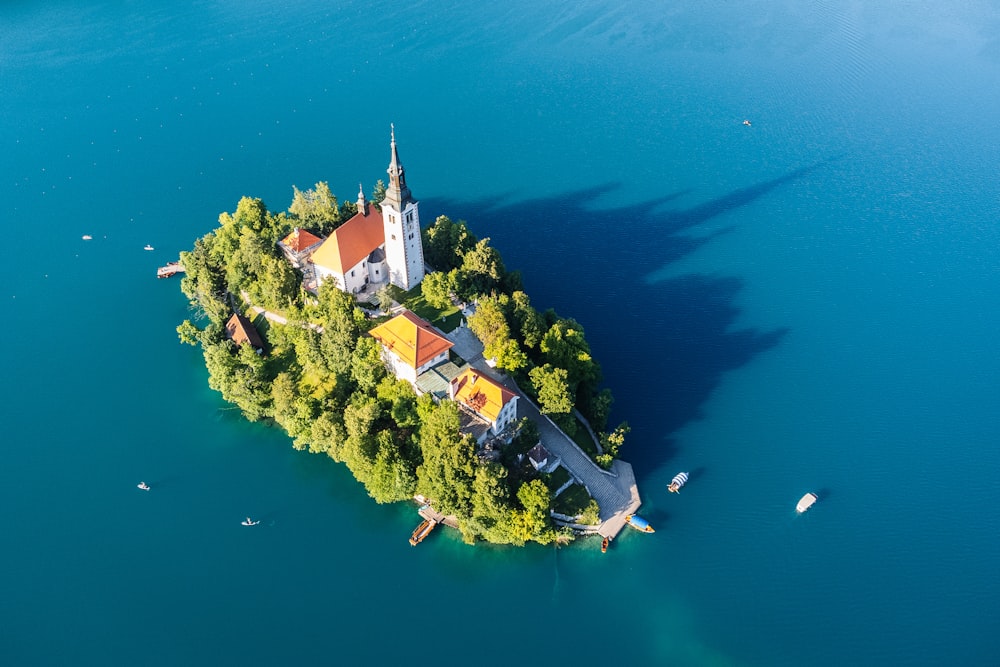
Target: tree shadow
<point>663,343</point>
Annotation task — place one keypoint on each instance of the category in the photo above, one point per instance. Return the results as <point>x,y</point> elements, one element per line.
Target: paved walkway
<point>615,491</point>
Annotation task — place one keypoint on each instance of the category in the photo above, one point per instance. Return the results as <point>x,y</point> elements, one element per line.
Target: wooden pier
<point>171,269</point>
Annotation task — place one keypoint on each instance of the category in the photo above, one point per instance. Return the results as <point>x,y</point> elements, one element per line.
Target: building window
<point>393,237</point>
<point>352,273</point>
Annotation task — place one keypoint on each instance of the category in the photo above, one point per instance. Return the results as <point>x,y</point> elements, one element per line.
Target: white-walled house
<point>489,399</point>
<point>410,345</point>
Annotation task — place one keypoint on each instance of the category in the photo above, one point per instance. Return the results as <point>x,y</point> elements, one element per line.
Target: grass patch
<point>572,501</point>
<point>556,479</point>
<point>446,319</point>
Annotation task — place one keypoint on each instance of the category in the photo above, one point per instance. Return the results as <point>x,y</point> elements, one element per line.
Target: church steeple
<point>396,194</point>
<point>362,204</point>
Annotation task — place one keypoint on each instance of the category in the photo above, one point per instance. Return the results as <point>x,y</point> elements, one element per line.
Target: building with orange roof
<point>486,397</point>
<point>299,245</point>
<point>410,345</point>
<point>377,245</point>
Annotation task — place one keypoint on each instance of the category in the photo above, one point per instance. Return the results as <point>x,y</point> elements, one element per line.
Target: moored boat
<point>806,502</point>
<point>604,545</point>
<point>680,479</point>
<point>422,531</point>
<point>639,523</point>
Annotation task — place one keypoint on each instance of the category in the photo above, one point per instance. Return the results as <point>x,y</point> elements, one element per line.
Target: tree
<point>533,523</point>
<point>530,324</point>
<point>446,242</point>
<point>447,471</point>
<point>189,333</point>
<point>437,288</point>
<point>564,346</point>
<point>378,191</point>
<point>482,269</point>
<point>367,367</point>
<point>489,323</point>
<point>316,208</point>
<point>553,390</point>
<point>392,479</point>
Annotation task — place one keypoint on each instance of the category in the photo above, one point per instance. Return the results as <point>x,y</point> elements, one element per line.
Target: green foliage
<point>553,390</point>
<point>564,346</point>
<point>189,333</point>
<point>482,270</point>
<point>447,471</point>
<point>612,442</point>
<point>378,192</point>
<point>489,323</point>
<point>438,287</point>
<point>446,242</point>
<point>392,477</point>
<point>315,209</point>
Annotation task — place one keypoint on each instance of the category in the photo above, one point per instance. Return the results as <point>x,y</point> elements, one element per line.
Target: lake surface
<point>807,303</point>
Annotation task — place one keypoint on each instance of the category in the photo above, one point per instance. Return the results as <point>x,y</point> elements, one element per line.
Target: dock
<point>170,269</point>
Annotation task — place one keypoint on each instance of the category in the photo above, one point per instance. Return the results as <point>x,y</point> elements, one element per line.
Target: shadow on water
<point>663,344</point>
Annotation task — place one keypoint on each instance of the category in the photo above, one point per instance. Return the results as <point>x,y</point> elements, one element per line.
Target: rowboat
<point>680,479</point>
<point>604,546</point>
<point>422,531</point>
<point>639,523</point>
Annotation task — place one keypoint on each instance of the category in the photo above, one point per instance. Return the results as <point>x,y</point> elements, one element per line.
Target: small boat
<point>249,522</point>
<point>639,523</point>
<point>143,486</point>
<point>148,247</point>
<point>87,237</point>
<point>747,123</point>
<point>422,531</point>
<point>806,502</point>
<point>680,479</point>
<point>604,545</point>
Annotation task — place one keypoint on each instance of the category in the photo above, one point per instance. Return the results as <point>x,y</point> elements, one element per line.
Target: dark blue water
<point>807,303</point>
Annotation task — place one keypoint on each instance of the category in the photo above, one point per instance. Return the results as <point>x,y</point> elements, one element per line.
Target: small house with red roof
<point>299,246</point>
<point>410,345</point>
<point>241,331</point>
<point>487,398</point>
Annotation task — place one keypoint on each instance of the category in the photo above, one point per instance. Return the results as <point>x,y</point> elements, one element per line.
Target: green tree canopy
<point>316,208</point>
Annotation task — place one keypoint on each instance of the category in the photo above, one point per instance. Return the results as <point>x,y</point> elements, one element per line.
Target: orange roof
<point>481,393</point>
<point>411,338</point>
<point>351,242</point>
<point>300,239</point>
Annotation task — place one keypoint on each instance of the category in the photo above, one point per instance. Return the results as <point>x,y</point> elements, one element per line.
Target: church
<point>376,246</point>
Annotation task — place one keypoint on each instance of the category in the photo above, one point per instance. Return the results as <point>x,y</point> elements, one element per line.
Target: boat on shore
<point>680,479</point>
<point>639,523</point>
<point>249,522</point>
<point>143,486</point>
<point>604,545</point>
<point>422,531</point>
<point>806,502</point>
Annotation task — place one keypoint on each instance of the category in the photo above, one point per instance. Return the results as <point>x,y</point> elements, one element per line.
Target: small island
<point>414,357</point>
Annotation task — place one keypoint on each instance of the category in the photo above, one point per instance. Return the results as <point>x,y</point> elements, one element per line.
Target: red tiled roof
<point>300,239</point>
<point>351,242</point>
<point>481,393</point>
<point>240,330</point>
<point>411,338</point>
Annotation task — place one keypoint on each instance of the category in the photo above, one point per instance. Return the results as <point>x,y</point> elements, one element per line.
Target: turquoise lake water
<point>808,303</point>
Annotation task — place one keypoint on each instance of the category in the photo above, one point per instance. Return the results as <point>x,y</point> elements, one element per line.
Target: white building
<point>375,245</point>
<point>410,345</point>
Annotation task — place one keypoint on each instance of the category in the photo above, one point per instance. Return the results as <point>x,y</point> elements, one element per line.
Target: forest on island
<point>323,381</point>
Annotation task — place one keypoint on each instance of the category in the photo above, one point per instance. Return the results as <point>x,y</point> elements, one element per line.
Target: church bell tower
<point>404,251</point>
